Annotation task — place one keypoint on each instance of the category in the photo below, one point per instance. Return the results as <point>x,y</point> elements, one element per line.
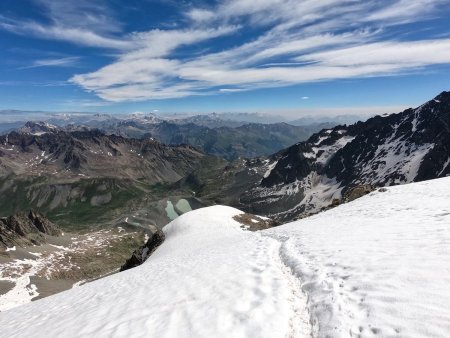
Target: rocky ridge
<point>41,150</point>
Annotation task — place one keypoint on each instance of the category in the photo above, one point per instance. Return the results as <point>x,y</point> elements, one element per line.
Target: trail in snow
<point>378,265</point>
<point>299,321</point>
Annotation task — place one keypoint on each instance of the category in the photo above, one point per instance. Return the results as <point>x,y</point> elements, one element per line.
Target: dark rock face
<point>140,255</point>
<point>26,229</point>
<point>336,163</point>
<point>292,157</point>
<point>43,224</point>
<point>416,137</point>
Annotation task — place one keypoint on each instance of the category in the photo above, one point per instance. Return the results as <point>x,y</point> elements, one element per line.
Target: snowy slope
<point>209,278</point>
<point>377,266</point>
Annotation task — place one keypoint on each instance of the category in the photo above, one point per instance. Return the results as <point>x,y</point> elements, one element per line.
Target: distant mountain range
<point>90,173</point>
<point>229,142</point>
<point>213,134</point>
<point>212,120</point>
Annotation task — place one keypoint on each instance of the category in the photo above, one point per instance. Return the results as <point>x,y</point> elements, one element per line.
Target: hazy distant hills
<point>229,137</point>
<point>242,140</point>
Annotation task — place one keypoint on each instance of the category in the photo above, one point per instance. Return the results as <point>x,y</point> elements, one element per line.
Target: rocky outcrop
<point>357,192</point>
<point>255,223</point>
<point>140,255</point>
<point>26,229</point>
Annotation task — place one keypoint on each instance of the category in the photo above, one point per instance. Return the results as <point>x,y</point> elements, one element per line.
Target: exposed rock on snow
<point>254,223</point>
<point>140,255</point>
<point>357,192</point>
<point>40,271</point>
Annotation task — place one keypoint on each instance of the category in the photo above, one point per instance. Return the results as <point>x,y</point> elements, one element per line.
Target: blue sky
<point>280,56</point>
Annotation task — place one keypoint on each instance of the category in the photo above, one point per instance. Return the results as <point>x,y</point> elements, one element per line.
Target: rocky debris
<point>255,223</point>
<point>63,263</point>
<point>357,192</point>
<point>140,255</point>
<point>26,229</point>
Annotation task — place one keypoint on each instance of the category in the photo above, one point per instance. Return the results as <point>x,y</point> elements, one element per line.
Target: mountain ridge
<point>26,229</point>
<point>409,146</point>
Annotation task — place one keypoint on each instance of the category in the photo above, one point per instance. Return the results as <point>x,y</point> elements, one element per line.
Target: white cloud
<point>200,15</point>
<point>82,14</point>
<point>403,55</point>
<point>230,90</point>
<point>60,62</point>
<point>82,22</point>
<point>74,35</point>
<point>297,42</point>
<point>406,10</point>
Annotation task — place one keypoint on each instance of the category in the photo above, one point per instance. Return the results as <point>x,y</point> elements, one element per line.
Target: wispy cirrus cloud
<point>69,61</point>
<point>76,35</point>
<point>82,22</point>
<point>297,42</point>
<point>94,15</point>
<point>291,42</point>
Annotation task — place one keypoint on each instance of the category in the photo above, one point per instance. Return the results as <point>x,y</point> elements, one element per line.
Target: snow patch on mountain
<point>323,153</point>
<point>270,168</point>
<point>396,159</point>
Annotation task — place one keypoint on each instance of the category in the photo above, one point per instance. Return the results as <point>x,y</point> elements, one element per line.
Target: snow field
<point>375,267</point>
<point>209,278</point>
